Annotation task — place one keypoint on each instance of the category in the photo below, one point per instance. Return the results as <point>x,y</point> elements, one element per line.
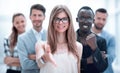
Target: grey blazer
<point>26,45</point>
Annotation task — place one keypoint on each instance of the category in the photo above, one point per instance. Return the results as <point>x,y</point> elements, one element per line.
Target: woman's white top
<point>66,63</point>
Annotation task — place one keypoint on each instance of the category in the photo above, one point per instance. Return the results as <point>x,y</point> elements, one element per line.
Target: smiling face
<point>61,22</point>
<point>85,20</point>
<point>19,23</point>
<point>37,17</point>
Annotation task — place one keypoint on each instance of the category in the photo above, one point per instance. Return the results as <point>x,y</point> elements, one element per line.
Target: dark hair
<point>38,7</point>
<point>86,8</point>
<point>14,34</point>
<point>102,10</point>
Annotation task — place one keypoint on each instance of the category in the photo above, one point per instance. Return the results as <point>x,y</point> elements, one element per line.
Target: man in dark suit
<point>94,58</point>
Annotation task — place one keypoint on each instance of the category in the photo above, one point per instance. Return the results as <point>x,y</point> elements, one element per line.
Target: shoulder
<point>44,30</point>
<point>79,46</point>
<point>25,34</point>
<point>99,38</point>
<point>107,35</point>
<point>6,39</point>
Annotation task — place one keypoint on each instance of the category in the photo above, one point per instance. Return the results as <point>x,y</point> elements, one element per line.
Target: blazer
<point>26,45</point>
<point>99,63</point>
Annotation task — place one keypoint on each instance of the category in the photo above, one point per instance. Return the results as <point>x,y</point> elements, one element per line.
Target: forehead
<point>100,14</point>
<point>19,18</point>
<point>84,12</point>
<point>61,14</point>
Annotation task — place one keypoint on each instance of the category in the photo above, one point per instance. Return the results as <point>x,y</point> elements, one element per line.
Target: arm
<point>100,62</point>
<point>43,51</point>
<point>80,50</point>
<point>11,61</point>
<point>39,53</point>
<point>111,48</point>
<point>22,46</point>
<point>97,45</point>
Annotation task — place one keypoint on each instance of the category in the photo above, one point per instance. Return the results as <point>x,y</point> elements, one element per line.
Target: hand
<point>104,55</point>
<point>48,55</point>
<point>32,56</point>
<point>37,45</point>
<point>39,49</point>
<point>8,60</point>
<point>90,60</point>
<point>91,41</point>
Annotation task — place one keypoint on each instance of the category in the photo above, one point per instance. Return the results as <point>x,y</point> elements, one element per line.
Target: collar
<point>35,32</point>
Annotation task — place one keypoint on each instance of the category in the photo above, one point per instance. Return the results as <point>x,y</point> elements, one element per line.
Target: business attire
<point>110,49</point>
<point>99,63</point>
<point>14,53</point>
<point>26,46</point>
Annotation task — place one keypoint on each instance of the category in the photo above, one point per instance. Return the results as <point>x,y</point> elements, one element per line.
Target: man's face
<point>100,20</point>
<point>37,18</point>
<point>85,20</point>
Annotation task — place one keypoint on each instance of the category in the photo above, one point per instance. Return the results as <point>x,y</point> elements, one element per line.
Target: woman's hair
<point>70,33</point>
<point>14,34</point>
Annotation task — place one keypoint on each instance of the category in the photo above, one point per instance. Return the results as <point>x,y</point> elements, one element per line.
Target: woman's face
<point>19,23</point>
<point>61,22</point>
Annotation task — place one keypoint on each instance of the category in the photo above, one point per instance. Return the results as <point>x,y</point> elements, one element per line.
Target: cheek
<point>15,25</point>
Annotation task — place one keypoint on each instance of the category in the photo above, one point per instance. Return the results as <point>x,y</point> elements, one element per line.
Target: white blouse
<point>66,63</point>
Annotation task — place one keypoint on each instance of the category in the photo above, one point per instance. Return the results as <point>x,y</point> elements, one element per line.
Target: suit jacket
<point>99,63</point>
<point>26,46</point>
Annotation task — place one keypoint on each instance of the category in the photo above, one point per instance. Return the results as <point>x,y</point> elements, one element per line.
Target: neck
<point>20,32</point>
<point>96,30</point>
<point>38,29</point>
<point>61,38</point>
<point>84,34</point>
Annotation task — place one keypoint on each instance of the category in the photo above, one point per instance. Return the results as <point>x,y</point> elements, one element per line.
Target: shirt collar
<point>35,32</point>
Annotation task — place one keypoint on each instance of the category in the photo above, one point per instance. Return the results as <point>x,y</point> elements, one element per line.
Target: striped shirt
<point>14,53</point>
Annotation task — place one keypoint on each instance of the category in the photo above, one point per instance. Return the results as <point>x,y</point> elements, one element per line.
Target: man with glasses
<point>94,58</point>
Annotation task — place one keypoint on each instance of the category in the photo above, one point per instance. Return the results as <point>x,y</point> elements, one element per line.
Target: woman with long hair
<point>11,54</point>
<point>61,53</point>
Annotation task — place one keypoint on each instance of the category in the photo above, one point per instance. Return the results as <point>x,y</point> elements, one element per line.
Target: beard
<point>98,28</point>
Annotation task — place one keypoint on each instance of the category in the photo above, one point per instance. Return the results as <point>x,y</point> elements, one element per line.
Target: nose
<point>101,21</point>
<point>37,17</point>
<point>60,22</point>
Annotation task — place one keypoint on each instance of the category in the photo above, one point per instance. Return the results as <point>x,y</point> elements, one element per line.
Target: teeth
<point>85,26</point>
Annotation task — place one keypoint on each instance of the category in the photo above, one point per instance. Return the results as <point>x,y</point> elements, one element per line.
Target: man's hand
<point>91,41</point>
<point>104,55</point>
<point>90,60</point>
<point>32,56</point>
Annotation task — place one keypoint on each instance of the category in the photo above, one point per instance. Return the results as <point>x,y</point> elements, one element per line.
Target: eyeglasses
<point>64,20</point>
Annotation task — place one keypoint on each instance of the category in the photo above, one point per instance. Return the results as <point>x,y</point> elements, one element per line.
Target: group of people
<point>60,49</point>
